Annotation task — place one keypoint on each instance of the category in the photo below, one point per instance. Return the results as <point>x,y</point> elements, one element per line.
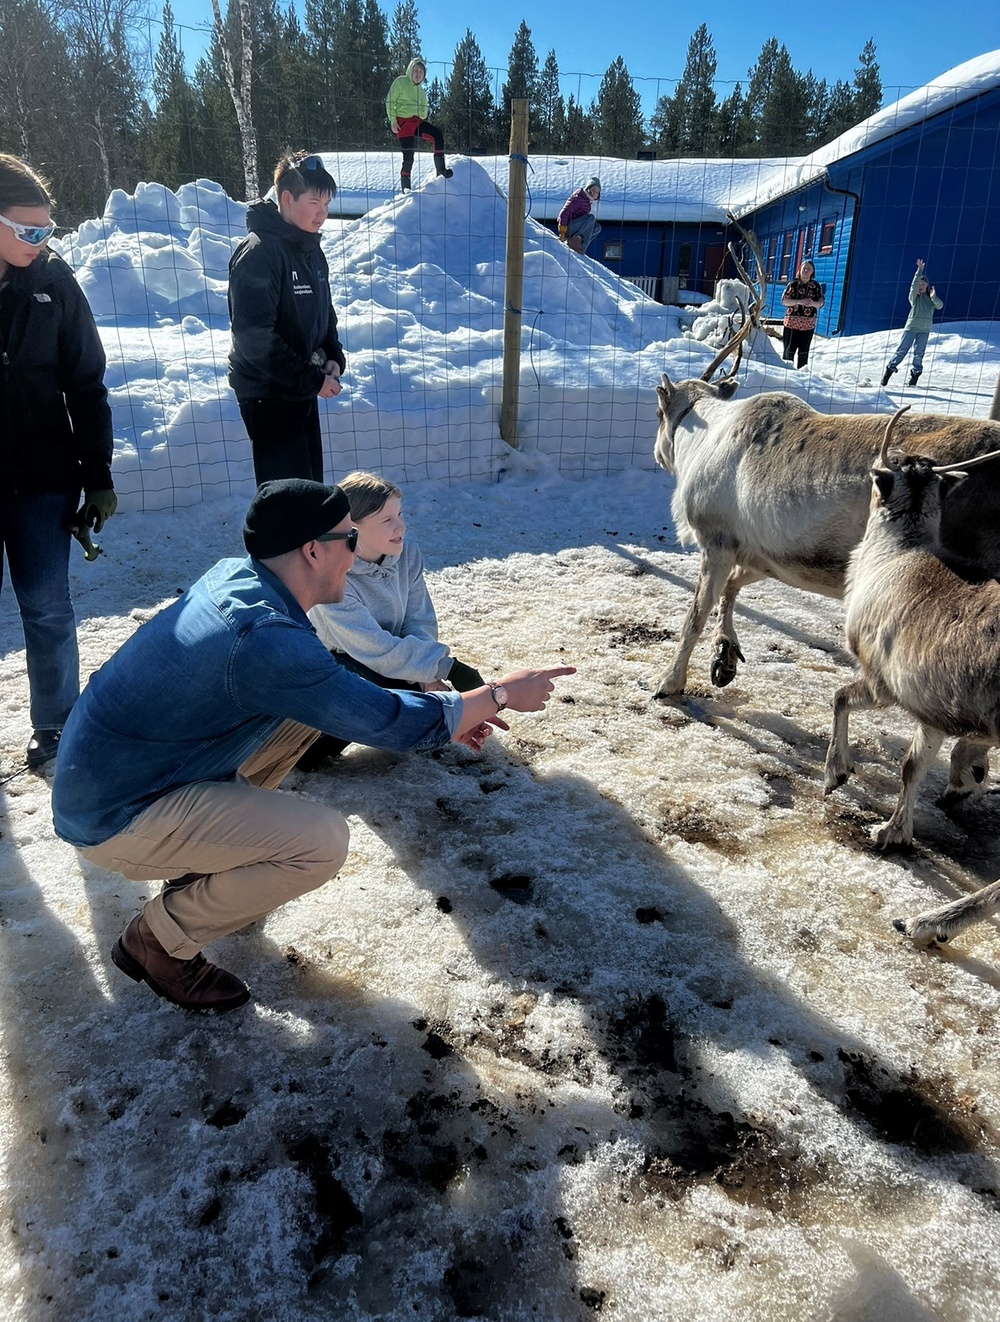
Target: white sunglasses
<point>33,235</point>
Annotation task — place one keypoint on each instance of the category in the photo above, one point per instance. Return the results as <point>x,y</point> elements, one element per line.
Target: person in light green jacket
<point>406,106</point>
<point>924,302</point>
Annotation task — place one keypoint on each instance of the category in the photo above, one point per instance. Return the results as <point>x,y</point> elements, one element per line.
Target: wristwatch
<point>499,694</point>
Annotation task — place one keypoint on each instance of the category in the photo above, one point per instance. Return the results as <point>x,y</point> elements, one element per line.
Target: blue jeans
<point>919,341</point>
<point>587,228</point>
<point>36,544</point>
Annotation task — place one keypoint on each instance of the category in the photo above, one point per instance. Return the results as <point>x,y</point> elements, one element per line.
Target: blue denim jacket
<point>201,686</point>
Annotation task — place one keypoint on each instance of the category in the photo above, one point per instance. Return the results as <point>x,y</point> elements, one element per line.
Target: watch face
<point>500,696</point>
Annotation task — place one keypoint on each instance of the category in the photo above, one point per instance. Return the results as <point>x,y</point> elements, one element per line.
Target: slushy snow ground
<point>609,1019</point>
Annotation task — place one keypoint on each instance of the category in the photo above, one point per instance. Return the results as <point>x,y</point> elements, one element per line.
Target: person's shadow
<point>411,1146</point>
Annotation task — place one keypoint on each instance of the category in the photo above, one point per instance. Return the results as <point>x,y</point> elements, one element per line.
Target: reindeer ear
<point>728,388</point>
<point>950,482</point>
<point>883,480</point>
<point>665,382</point>
<point>663,399</point>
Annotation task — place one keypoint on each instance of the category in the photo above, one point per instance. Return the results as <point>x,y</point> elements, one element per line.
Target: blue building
<point>920,179</point>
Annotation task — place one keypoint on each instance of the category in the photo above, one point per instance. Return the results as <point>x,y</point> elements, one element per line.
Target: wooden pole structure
<point>514,283</point>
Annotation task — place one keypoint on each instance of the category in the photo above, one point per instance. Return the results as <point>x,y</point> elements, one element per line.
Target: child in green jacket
<point>924,302</point>
<point>406,106</point>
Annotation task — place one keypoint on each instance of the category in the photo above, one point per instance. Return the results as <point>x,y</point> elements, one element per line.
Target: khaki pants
<point>257,848</point>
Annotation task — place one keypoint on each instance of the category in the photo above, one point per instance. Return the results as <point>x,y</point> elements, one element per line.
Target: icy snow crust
<point>610,1018</point>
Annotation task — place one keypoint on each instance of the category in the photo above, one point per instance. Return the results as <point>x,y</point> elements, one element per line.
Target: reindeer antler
<point>751,315</point>
<point>883,457</point>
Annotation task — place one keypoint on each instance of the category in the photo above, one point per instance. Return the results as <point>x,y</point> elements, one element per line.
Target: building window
<point>829,228</point>
<point>612,252</point>
<point>787,243</point>
<point>683,264</point>
<point>807,243</point>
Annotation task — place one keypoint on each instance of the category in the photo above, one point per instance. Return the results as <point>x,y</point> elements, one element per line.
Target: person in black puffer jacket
<point>285,352</point>
<point>55,441</point>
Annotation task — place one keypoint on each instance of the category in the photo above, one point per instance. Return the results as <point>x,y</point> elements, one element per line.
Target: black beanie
<point>289,512</point>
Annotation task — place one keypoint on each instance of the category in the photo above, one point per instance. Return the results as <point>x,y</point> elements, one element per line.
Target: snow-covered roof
<point>675,191</point>
<point>950,89</point>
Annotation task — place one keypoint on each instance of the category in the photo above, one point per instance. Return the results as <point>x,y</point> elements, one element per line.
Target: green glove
<point>464,677</point>
<point>97,508</point>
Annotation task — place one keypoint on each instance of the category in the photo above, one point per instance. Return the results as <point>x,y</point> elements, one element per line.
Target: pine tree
<point>404,38</point>
<point>618,123</point>
<point>172,147</point>
<point>578,133</point>
<point>467,112</point>
<point>728,124</point>
<point>551,110</point>
<point>783,114</point>
<point>522,79</point>
<point>106,59</point>
<point>692,119</point>
<point>840,115</point>
<point>867,84</point>
<point>663,135</point>
<point>320,30</point>
<point>435,95</point>
<point>376,75</point>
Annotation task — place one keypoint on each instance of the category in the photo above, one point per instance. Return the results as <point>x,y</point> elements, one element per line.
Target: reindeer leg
<point>852,697</point>
<point>898,830</point>
<point>717,563</point>
<point>724,640</point>
<point>970,765</point>
<point>942,924</point>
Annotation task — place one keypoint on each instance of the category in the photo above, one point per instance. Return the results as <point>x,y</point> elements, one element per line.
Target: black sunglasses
<point>310,163</point>
<point>351,538</point>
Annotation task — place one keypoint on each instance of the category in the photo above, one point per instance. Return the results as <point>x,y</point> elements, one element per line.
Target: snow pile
<point>418,284</point>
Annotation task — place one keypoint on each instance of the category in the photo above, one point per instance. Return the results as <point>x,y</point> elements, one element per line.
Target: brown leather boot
<point>575,242</point>
<point>193,984</point>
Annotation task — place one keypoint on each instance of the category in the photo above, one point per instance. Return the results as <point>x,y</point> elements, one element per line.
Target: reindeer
<point>769,488</point>
<point>925,629</point>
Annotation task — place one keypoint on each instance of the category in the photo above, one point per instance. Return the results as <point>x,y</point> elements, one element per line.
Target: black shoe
<point>886,375</point>
<point>914,378</point>
<point>404,182</point>
<point>320,751</point>
<point>445,173</point>
<point>42,747</point>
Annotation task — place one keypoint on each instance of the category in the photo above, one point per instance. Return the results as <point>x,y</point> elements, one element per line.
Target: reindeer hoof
<point>668,685</point>
<point>724,666</point>
<point>921,931</point>
<point>890,836</point>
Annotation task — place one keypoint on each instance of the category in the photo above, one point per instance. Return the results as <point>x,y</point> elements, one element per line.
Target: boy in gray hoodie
<point>923,304</point>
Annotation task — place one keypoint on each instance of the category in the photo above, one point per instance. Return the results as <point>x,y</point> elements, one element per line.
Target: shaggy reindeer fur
<point>926,637</point>
<point>769,488</point>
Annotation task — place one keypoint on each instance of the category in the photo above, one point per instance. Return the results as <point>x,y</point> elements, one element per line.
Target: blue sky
<point>914,43</point>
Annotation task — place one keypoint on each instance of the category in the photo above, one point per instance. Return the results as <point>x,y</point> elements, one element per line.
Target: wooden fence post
<point>514,282</point>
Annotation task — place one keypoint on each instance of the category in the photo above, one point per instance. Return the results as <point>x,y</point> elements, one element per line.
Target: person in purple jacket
<point>577,227</point>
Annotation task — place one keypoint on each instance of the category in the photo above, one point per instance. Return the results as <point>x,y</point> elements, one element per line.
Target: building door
<point>715,261</point>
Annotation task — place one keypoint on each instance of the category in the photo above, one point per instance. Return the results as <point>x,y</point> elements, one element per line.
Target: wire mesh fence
<point>418,285</point>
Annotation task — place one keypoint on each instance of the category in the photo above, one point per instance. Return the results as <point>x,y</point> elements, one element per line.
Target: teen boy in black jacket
<point>285,352</point>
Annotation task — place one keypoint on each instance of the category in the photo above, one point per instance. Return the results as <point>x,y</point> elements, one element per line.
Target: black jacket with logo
<point>280,310</point>
<point>55,421</point>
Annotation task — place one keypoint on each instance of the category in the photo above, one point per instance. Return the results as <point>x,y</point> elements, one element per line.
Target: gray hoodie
<point>386,620</point>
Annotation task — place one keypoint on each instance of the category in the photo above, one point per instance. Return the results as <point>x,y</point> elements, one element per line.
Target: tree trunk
<point>241,95</point>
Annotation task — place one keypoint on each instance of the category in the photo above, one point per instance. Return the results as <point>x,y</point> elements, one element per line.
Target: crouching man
<point>168,758</point>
